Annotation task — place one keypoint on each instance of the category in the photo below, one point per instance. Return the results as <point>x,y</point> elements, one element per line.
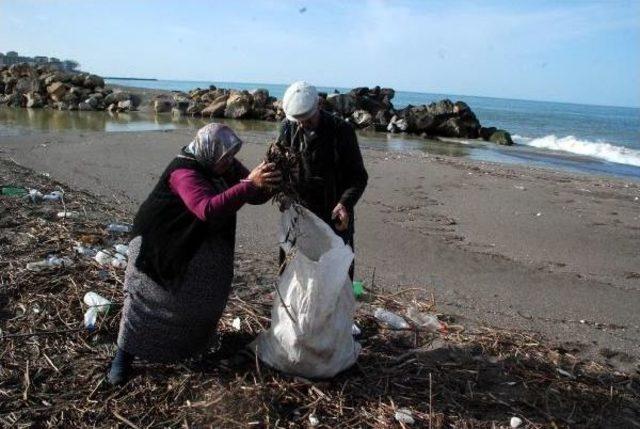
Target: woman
<point>179,278</point>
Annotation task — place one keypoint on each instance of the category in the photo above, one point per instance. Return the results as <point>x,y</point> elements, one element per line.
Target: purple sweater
<point>202,199</point>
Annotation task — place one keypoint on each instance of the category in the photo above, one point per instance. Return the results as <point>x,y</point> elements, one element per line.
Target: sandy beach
<point>512,247</point>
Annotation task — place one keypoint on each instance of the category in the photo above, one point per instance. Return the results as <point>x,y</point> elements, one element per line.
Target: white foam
<point>601,150</point>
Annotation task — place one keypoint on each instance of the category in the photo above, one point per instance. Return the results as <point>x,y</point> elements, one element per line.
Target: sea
<point>590,139</point>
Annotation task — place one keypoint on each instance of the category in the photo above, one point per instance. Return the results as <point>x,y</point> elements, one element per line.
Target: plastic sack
<point>312,336</point>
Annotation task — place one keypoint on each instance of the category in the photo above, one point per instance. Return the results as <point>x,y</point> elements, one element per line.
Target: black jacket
<point>332,169</point>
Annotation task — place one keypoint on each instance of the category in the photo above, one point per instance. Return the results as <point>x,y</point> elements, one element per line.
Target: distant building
<point>12,57</point>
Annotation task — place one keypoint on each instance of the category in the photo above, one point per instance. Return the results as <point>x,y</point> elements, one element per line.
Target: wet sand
<point>512,247</point>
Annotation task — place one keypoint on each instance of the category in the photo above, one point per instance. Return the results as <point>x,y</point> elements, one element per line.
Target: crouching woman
<point>179,279</point>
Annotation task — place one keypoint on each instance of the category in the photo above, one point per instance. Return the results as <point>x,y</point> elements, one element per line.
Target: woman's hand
<point>265,175</point>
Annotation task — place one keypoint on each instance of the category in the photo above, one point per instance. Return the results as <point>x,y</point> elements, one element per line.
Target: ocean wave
<point>600,150</point>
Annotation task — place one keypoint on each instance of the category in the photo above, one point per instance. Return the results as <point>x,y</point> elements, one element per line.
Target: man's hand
<point>340,216</point>
<point>265,176</point>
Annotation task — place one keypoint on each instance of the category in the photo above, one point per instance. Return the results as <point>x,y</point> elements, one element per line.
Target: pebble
<point>236,323</point>
<point>313,420</point>
<point>516,422</point>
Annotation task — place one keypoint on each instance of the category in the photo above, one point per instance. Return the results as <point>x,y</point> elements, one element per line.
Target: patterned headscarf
<point>212,142</point>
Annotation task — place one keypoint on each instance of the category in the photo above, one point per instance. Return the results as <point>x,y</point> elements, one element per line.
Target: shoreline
<point>467,231</point>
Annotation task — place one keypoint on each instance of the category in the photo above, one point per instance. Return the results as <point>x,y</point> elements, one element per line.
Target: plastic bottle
<point>53,196</point>
<point>12,191</point>
<point>122,249</point>
<point>35,196</point>
<point>118,228</point>
<point>68,215</point>
<point>97,304</point>
<point>424,322</point>
<point>103,257</point>
<point>51,261</point>
<point>85,251</point>
<point>391,319</point>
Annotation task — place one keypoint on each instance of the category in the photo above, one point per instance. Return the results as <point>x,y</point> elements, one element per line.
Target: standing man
<point>332,173</point>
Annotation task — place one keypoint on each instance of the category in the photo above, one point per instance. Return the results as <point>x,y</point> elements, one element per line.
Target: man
<point>332,173</point>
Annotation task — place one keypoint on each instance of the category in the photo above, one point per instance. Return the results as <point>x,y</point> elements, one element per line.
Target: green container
<point>12,191</point>
<point>357,289</point>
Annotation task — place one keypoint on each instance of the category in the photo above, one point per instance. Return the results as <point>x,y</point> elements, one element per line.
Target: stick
<point>124,420</point>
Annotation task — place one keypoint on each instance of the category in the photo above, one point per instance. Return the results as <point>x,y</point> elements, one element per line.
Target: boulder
<point>239,105</point>
<point>419,119</point>
<point>92,81</point>
<point>260,97</point>
<point>344,104</point>
<point>217,107</point>
<point>85,106</point>
<point>112,107</point>
<point>485,133</point>
<point>61,105</point>
<point>177,112</point>
<point>389,93</point>
<point>162,105</point>
<point>457,127</point>
<point>195,108</point>
<point>34,100</point>
<point>20,70</point>
<point>501,137</point>
<point>442,107</point>
<point>125,105</point>
<point>397,124</point>
<point>26,84</point>
<point>78,79</point>
<point>382,118</point>
<point>57,90</point>
<point>362,118</point>
<point>92,102</point>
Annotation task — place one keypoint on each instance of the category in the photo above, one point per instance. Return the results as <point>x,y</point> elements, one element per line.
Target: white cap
<point>300,101</point>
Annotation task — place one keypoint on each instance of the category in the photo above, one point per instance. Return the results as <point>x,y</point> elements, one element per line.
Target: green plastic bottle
<point>12,191</point>
<point>358,290</point>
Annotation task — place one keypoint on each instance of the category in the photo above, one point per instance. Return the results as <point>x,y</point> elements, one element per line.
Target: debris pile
<point>52,367</point>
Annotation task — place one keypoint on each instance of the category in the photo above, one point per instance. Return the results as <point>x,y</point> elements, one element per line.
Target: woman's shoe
<point>120,368</point>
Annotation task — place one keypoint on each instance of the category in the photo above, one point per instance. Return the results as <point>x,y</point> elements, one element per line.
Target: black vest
<point>171,234</point>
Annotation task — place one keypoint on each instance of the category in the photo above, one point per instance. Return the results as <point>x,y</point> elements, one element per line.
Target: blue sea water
<point>596,134</point>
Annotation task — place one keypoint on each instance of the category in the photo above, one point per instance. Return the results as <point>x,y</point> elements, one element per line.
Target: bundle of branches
<point>52,370</point>
<point>287,162</point>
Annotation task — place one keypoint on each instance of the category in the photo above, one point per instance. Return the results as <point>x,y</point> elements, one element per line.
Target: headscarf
<point>212,142</point>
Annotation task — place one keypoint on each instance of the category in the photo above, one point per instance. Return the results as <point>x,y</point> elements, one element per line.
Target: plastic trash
<point>313,420</point>
<point>515,422</point>
<point>423,321</point>
<point>122,249</point>
<point>357,289</point>
<point>118,228</point>
<point>53,196</point>
<point>12,191</point>
<point>119,263</point>
<point>85,251</point>
<point>391,319</point>
<point>68,215</point>
<point>405,416</point>
<point>35,196</point>
<point>355,331</point>
<point>312,313</point>
<point>97,304</point>
<point>236,323</point>
<point>50,262</point>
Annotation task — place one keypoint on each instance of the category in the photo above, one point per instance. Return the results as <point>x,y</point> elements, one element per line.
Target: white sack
<point>317,291</point>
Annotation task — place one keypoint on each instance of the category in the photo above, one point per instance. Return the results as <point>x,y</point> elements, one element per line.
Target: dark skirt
<point>164,324</point>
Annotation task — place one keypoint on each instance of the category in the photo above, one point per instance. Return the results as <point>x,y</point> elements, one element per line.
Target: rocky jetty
<point>366,108</point>
<point>23,85</point>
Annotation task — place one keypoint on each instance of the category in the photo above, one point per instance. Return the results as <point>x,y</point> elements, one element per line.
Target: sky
<point>570,51</point>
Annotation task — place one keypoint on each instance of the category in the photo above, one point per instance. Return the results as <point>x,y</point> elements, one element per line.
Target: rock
<point>26,84</point>
<point>77,79</point>
<point>92,81</point>
<point>485,133</point>
<point>362,118</point>
<point>389,93</point>
<point>92,102</point>
<point>442,107</point>
<point>85,106</point>
<point>382,118</point>
<point>125,105</point>
<point>260,97</point>
<point>34,100</point>
<point>121,96</point>
<point>57,90</point>
<point>112,107</point>
<point>72,106</point>
<point>162,105</point>
<point>177,112</point>
<point>195,108</point>
<point>397,125</point>
<point>344,104</point>
<point>239,105</point>
<point>501,137</point>
<point>419,119</point>
<point>217,107</point>
<point>20,70</point>
<point>458,127</point>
